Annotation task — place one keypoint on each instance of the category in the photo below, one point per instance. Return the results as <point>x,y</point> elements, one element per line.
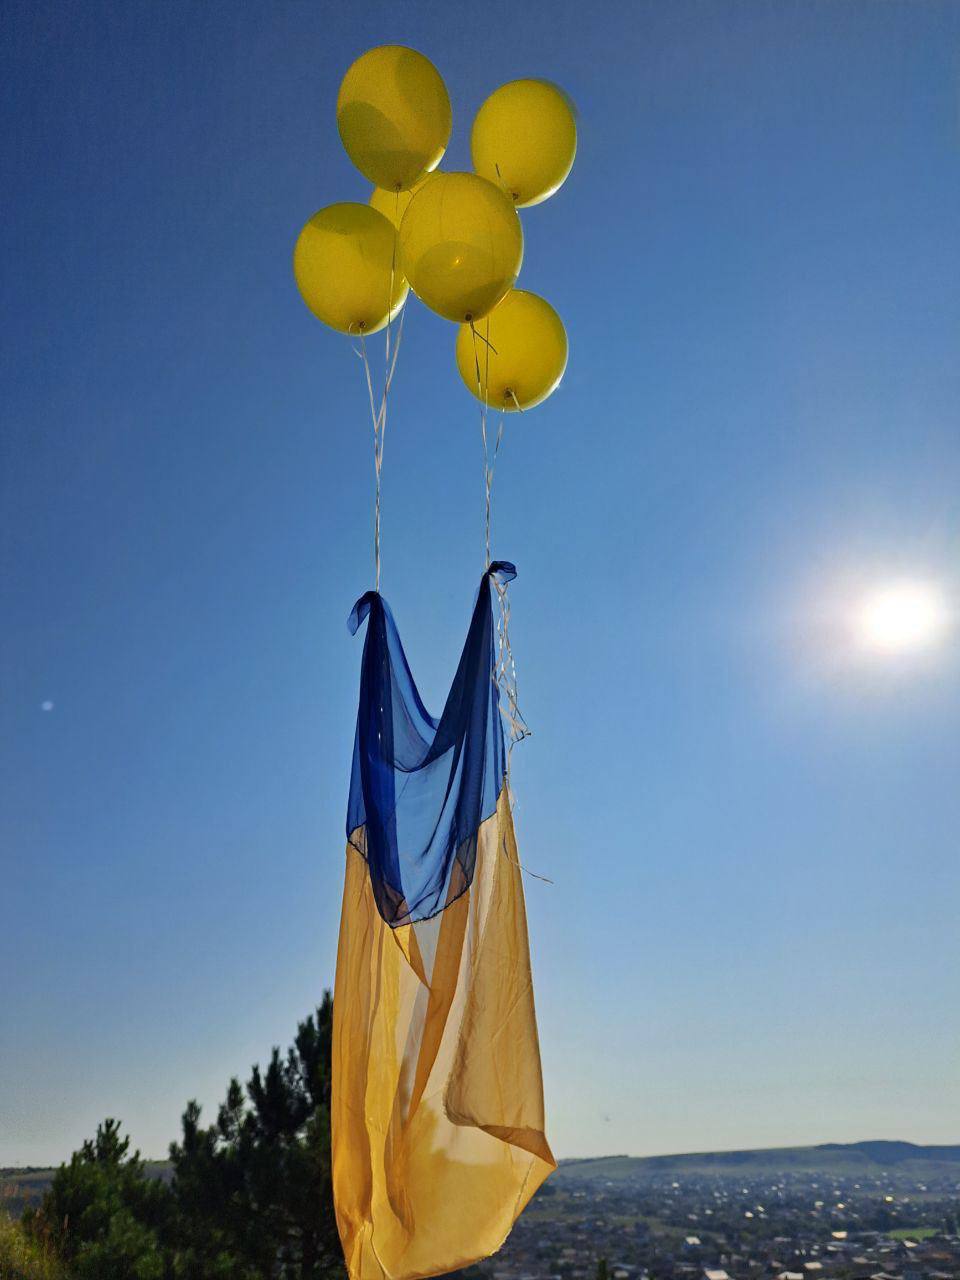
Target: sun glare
<point>902,617</point>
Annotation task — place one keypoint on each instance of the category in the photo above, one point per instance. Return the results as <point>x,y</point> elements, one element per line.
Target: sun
<point>902,617</point>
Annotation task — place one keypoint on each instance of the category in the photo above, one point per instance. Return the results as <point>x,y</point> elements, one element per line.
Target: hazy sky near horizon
<point>752,828</point>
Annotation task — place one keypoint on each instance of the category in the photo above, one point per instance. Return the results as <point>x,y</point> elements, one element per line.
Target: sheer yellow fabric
<point>438,1124</point>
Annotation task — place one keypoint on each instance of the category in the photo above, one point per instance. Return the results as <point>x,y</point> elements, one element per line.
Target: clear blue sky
<point>751,938</point>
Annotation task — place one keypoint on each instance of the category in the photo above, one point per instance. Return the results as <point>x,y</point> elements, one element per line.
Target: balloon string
<point>378,445</point>
<point>488,467</point>
<point>393,278</point>
<point>505,670</point>
<point>515,725</point>
<point>378,413</point>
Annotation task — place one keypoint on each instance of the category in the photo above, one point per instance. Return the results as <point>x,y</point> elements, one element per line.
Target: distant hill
<point>830,1157</point>
<point>20,1187</point>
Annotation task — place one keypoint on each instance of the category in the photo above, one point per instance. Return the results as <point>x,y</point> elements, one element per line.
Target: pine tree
<point>253,1192</point>
<point>251,1197</point>
<point>102,1215</point>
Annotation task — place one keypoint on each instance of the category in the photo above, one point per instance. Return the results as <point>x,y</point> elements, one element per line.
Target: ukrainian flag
<point>437,1111</point>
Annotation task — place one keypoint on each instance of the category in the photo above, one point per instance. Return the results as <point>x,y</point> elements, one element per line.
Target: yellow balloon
<point>393,204</point>
<point>346,267</point>
<point>525,138</point>
<point>394,116</point>
<point>521,349</point>
<point>461,245</point>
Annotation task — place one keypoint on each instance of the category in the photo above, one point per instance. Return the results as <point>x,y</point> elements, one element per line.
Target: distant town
<point>872,1211</point>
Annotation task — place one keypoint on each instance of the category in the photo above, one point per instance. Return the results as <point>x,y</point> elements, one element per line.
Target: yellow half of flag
<point>438,1117</point>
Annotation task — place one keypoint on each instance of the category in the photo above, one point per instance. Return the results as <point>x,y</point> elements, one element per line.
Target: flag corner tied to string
<point>438,1117</point>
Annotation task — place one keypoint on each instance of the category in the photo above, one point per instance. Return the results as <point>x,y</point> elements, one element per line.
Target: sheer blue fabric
<point>421,786</point>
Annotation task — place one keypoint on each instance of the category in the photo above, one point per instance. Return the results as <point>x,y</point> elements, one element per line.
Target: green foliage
<point>101,1215</point>
<point>253,1192</point>
<point>25,1257</point>
<point>251,1196</point>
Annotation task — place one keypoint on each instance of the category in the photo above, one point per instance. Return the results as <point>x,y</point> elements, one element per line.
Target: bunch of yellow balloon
<point>454,238</point>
